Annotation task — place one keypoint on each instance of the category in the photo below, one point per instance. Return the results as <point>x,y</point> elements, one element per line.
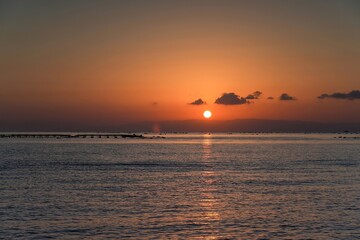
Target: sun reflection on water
<point>209,202</point>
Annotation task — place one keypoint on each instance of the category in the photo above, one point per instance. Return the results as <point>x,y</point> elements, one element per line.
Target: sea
<point>183,186</point>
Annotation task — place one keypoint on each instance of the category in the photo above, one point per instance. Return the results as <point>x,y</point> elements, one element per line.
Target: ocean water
<point>187,186</point>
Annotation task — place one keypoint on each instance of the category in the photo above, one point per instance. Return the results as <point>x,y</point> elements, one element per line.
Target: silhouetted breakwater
<point>62,135</point>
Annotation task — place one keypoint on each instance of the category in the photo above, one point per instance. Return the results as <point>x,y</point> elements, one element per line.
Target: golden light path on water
<point>209,201</point>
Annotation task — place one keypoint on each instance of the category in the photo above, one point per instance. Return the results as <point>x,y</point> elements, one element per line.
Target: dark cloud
<point>254,95</point>
<point>198,102</point>
<point>355,94</point>
<point>231,99</point>
<point>286,97</point>
<point>270,98</point>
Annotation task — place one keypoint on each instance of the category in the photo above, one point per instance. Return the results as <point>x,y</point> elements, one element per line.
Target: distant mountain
<point>239,125</point>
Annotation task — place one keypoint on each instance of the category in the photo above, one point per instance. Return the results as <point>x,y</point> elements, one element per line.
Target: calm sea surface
<point>192,186</point>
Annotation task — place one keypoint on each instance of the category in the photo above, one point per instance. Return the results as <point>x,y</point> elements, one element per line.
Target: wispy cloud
<point>198,102</point>
<point>355,94</point>
<point>254,95</point>
<point>286,97</point>
<point>231,99</point>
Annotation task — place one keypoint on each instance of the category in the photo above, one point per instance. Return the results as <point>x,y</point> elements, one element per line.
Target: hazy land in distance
<point>237,125</point>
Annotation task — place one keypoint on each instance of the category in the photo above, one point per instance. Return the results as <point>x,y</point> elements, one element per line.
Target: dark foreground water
<point>270,186</point>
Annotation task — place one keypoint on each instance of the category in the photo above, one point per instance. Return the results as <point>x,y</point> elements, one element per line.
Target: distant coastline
<point>243,125</point>
<point>215,126</point>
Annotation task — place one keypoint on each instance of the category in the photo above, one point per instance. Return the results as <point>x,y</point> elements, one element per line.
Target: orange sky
<point>110,61</point>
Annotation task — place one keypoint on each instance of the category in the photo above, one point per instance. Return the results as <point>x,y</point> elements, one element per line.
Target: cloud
<point>270,98</point>
<point>355,94</point>
<point>231,99</point>
<point>286,97</point>
<point>154,103</point>
<point>254,95</point>
<point>198,102</point>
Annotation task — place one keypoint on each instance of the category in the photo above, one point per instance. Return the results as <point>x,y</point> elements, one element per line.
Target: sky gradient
<point>108,62</point>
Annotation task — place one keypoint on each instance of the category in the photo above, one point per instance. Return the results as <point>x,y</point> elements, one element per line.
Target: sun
<point>207,114</point>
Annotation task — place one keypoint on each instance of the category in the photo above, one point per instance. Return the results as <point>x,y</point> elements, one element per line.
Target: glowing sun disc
<point>207,114</point>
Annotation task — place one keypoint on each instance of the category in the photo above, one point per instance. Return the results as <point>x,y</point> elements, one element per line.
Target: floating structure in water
<point>64,135</point>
